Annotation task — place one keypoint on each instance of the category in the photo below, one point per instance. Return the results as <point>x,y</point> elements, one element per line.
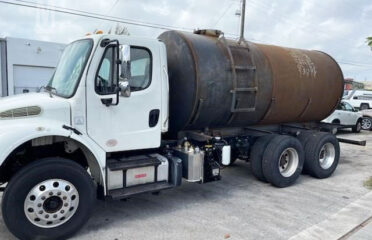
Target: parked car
<point>346,116</point>
<point>367,120</point>
<point>360,99</point>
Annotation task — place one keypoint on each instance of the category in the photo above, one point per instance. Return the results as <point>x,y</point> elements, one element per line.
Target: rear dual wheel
<point>283,160</point>
<point>322,153</point>
<point>280,159</point>
<point>277,159</point>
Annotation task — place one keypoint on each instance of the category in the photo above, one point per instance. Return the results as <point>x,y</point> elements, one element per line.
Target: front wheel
<point>358,127</point>
<point>50,199</point>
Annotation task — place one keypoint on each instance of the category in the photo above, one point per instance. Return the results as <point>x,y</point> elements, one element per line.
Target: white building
<point>26,65</point>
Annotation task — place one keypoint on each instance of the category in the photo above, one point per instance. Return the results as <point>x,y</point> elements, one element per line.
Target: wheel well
<point>46,147</point>
<point>364,104</point>
<point>336,121</point>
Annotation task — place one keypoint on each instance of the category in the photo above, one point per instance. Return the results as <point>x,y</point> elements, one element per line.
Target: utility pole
<point>242,21</point>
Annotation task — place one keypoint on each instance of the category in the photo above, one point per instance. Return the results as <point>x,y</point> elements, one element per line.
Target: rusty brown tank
<point>219,83</point>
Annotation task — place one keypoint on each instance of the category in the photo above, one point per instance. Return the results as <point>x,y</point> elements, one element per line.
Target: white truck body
<point>26,65</point>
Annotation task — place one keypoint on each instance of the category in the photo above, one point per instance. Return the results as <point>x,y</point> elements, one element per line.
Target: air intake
<point>21,112</point>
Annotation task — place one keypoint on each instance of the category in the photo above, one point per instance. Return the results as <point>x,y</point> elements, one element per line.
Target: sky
<point>338,27</point>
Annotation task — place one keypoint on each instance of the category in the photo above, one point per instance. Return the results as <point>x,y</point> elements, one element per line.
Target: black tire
<point>35,173</point>
<point>313,150</point>
<point>367,123</point>
<point>358,127</point>
<point>271,160</point>
<point>364,106</point>
<point>256,156</point>
<point>305,136</point>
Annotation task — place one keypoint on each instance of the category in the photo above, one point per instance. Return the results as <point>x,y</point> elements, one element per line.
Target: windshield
<point>70,67</point>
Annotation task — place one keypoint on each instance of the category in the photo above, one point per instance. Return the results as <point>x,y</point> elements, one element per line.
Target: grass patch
<point>368,183</point>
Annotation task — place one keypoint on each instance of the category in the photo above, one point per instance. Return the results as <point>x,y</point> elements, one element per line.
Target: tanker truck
<point>123,116</point>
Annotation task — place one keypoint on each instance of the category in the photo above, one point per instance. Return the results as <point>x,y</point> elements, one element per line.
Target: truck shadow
<point>145,206</point>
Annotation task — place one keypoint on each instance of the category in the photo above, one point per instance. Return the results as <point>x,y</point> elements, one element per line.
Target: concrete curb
<point>341,223</point>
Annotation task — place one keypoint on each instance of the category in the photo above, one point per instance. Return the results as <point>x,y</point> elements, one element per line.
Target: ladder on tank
<point>240,70</point>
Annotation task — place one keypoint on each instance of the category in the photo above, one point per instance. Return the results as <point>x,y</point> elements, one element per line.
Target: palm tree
<point>369,41</point>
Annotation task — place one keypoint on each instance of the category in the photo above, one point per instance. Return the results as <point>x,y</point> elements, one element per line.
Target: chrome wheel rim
<point>288,162</point>
<point>366,124</point>
<point>51,203</point>
<point>327,156</point>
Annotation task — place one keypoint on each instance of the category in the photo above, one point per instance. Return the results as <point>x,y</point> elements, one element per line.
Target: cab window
<point>106,79</point>
<point>141,69</point>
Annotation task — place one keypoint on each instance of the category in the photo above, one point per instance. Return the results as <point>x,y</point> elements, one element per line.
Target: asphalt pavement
<point>240,207</point>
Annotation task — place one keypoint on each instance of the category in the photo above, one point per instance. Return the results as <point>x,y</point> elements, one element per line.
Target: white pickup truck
<point>360,99</point>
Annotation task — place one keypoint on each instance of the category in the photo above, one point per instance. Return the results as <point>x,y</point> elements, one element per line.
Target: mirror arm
<point>117,90</point>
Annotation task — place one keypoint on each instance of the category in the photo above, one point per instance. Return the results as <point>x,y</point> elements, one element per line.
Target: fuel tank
<point>220,83</point>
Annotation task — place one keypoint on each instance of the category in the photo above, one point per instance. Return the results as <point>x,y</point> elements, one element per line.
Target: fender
<point>98,153</point>
<point>14,133</point>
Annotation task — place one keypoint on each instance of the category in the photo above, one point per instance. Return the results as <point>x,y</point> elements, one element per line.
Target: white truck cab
<point>113,122</point>
<point>110,122</point>
<point>82,108</point>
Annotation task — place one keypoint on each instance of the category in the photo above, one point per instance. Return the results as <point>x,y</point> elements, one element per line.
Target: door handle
<point>154,117</point>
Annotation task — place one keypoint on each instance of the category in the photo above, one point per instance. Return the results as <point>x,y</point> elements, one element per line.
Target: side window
<point>141,69</point>
<point>342,106</point>
<point>348,107</point>
<point>107,73</point>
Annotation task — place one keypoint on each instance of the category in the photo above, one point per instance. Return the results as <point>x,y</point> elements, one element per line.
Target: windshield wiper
<point>50,90</point>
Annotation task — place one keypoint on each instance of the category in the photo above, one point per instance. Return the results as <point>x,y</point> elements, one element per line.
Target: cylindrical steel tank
<point>219,83</point>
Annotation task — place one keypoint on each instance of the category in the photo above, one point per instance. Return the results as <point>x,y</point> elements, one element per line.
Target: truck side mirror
<point>124,70</point>
<point>124,88</point>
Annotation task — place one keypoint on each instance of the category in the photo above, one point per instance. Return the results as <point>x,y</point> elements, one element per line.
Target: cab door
<point>118,123</point>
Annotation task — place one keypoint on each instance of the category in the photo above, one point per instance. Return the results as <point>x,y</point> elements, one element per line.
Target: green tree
<point>369,41</point>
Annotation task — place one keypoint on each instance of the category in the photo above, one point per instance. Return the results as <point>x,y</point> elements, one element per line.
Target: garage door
<point>30,78</point>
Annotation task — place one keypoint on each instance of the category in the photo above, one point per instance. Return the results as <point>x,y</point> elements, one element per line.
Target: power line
<point>355,64</point>
<point>87,14</point>
<point>224,13</point>
<point>95,16</point>
<point>112,7</point>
